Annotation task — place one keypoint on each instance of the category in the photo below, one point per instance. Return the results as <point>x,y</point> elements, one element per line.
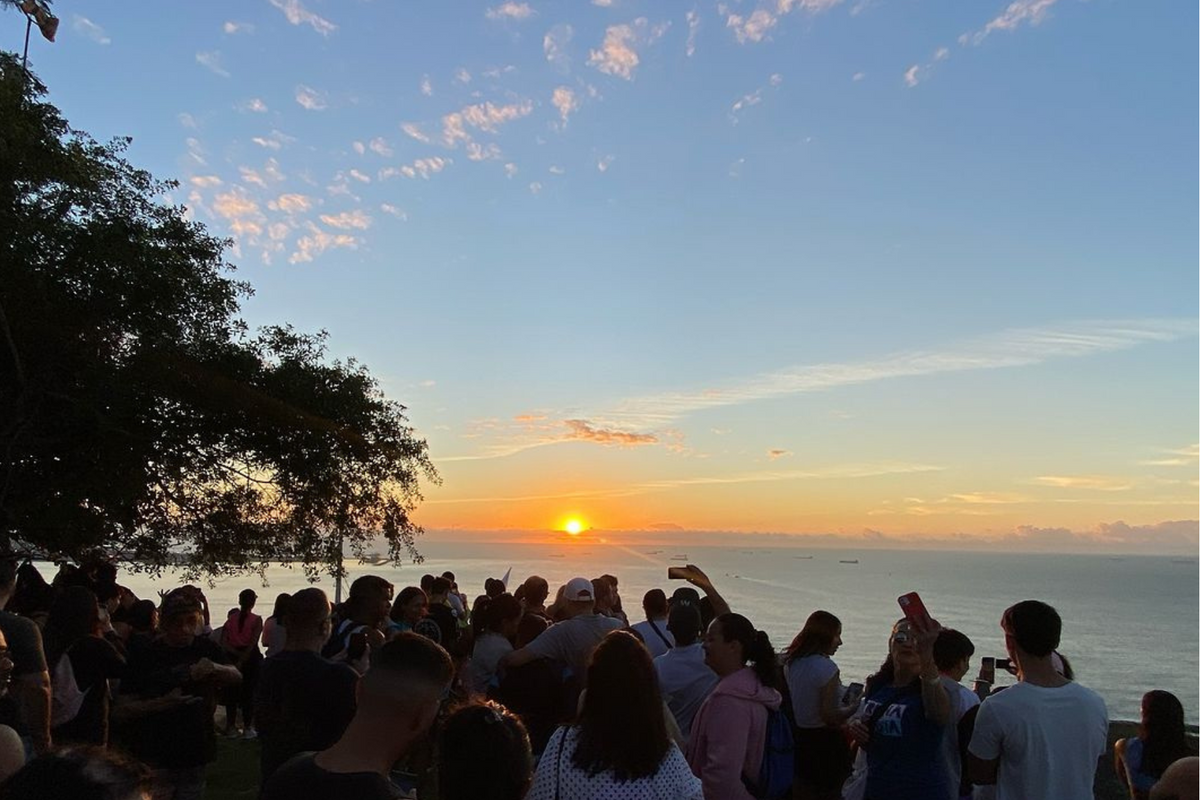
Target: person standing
<point>1042,736</point>
<point>399,698</point>
<point>570,642</point>
<point>239,639</point>
<point>654,629</point>
<point>952,653</point>
<point>304,701</point>
<point>685,680</point>
<point>26,707</point>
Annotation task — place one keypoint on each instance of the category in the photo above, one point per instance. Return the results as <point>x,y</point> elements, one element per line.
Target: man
<point>398,700</point>
<point>457,600</point>
<point>171,683</point>
<point>571,641</point>
<point>26,709</point>
<point>1041,737</point>
<point>685,680</point>
<point>654,631</point>
<point>537,589</point>
<point>952,652</point>
<point>365,610</point>
<point>304,702</point>
<point>608,602</point>
<point>441,613</point>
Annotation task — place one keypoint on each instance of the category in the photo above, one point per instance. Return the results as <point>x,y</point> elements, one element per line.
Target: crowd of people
<point>426,693</point>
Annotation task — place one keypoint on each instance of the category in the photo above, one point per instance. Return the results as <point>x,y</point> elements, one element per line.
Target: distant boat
<point>848,561</point>
<point>803,558</point>
<point>680,557</point>
<point>556,555</point>
<point>653,552</point>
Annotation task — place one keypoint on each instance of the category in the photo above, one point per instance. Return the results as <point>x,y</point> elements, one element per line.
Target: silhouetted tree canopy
<point>138,416</point>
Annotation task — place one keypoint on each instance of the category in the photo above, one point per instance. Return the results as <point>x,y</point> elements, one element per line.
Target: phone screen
<point>987,669</point>
<point>852,694</point>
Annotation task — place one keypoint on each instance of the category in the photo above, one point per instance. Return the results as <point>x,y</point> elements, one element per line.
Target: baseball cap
<point>579,589</point>
<point>685,596</point>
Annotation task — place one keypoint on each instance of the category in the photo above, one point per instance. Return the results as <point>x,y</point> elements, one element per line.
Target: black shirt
<point>94,661</point>
<point>302,779</point>
<point>304,702</point>
<point>29,660</point>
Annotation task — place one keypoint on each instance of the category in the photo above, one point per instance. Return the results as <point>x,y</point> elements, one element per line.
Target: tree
<point>138,416</point>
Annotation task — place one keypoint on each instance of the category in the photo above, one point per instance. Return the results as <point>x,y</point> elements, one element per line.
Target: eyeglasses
<point>903,637</point>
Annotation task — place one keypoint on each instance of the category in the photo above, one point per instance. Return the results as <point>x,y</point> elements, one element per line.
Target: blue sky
<point>927,269</point>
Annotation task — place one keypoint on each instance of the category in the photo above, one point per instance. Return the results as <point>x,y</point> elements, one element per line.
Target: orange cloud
<point>582,430</point>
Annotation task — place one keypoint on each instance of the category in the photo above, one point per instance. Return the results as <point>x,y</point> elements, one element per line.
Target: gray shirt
<point>686,682</point>
<point>572,642</point>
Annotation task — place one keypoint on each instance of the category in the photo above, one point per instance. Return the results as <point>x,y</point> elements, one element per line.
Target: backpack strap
<point>661,635</point>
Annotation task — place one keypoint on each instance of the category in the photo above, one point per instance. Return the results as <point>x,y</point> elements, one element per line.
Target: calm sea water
<point>1130,624</point>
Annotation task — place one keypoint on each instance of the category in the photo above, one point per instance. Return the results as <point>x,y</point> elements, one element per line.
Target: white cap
<point>579,590</point>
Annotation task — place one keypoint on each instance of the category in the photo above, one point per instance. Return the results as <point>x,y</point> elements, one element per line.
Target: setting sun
<point>573,527</point>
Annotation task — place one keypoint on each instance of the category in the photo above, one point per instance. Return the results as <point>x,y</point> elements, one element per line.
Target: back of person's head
<point>405,681</point>
<point>79,773</point>
<point>502,608</point>
<point>75,613</point>
<point>448,575</point>
<point>530,627</point>
<point>142,616</point>
<point>493,587</point>
<point>756,646</point>
<point>816,637</point>
<point>279,611</point>
<point>684,624</point>
<point>440,586</point>
<point>654,603</point>
<point>1162,732</point>
<point>601,592</point>
<point>537,589</point>
<point>367,597</point>
<point>950,648</point>
<point>621,725</point>
<point>427,583</point>
<point>247,598</point>
<point>1034,626</point>
<point>483,754</point>
<point>308,613</point>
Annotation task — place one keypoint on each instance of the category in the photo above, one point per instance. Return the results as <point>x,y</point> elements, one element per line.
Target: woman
<point>500,627</point>
<point>239,639</point>
<point>1141,760</point>
<point>904,719</point>
<point>274,634</point>
<point>80,664</point>
<point>619,748</point>
<point>483,754</point>
<point>729,732</point>
<point>815,686</point>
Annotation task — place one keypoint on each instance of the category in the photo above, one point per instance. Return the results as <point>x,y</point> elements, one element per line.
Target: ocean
<point>1130,623</point>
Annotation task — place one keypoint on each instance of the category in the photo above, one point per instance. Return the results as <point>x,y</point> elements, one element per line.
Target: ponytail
<point>756,647</point>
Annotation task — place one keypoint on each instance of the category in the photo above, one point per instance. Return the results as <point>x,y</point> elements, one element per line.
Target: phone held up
<point>678,573</point>
<point>852,694</point>
<point>915,611</point>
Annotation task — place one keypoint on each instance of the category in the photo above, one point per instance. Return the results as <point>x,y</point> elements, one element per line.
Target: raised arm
<point>701,581</point>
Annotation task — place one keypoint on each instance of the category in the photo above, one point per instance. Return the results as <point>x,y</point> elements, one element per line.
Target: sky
<point>866,270</point>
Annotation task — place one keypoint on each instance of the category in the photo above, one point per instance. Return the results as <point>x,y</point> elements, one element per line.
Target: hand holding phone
<point>852,694</point>
<point>678,573</point>
<point>915,611</point>
<point>987,669</point>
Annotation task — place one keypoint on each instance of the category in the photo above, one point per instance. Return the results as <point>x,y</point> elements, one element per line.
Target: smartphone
<point>678,573</point>
<point>915,611</point>
<point>1006,665</point>
<point>852,694</point>
<point>356,647</point>
<point>987,669</point>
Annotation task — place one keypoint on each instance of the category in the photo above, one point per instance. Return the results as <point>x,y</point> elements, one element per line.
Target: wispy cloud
<point>297,14</point>
<point>346,220</point>
<point>565,101</point>
<point>1008,349</point>
<point>311,99</point>
<point>1021,12</point>
<point>317,241</point>
<point>1099,483</point>
<point>510,10</point>
<point>778,453</point>
<point>581,429</point>
<point>291,203</point>
<point>617,55</point>
<point>554,44</point>
<point>211,60</point>
<point>912,76</point>
<point>1183,457</point>
<point>420,168</point>
<point>255,105</point>
<point>413,131</point>
<point>85,27</point>
<point>205,181</point>
<point>394,211</point>
<point>487,117</point>
<point>275,141</point>
<point>426,86</point>
<point>753,28</point>
<point>752,99</point>
<point>232,28</point>
<point>380,147</point>
<point>604,163</point>
<point>693,23</point>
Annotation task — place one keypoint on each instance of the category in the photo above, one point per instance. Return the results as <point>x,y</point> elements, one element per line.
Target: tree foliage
<point>138,416</point>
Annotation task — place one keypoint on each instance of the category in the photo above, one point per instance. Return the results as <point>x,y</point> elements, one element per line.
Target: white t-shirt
<point>962,700</point>
<point>654,642</point>
<point>573,641</point>
<point>805,677</point>
<point>489,648</point>
<point>557,776</point>
<point>1048,740</point>
<point>686,682</point>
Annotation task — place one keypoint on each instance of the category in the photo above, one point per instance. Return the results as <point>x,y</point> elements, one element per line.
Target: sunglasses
<point>903,637</point>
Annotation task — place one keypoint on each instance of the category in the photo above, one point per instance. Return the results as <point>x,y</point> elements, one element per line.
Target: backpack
<point>774,780</point>
<point>66,698</point>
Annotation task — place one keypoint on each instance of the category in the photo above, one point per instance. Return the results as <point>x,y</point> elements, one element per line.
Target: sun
<point>573,527</point>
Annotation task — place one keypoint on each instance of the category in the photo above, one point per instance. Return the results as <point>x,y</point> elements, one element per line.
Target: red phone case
<point>914,609</point>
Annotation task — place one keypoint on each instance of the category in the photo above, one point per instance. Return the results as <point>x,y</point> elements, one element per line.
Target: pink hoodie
<point>729,734</point>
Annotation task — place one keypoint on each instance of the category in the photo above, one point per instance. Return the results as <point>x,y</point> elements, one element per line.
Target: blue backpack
<point>779,756</point>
